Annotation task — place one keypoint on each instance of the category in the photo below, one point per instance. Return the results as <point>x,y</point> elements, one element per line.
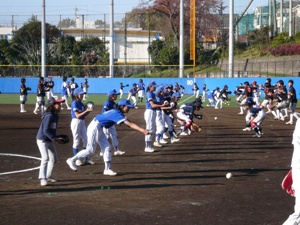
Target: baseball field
<point>181,183</point>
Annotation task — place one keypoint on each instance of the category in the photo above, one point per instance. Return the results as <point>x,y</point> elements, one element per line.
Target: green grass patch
<point>96,98</point>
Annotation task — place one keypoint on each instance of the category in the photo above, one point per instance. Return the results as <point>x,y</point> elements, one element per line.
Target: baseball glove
<point>63,138</point>
<point>89,105</point>
<point>195,127</point>
<point>287,184</point>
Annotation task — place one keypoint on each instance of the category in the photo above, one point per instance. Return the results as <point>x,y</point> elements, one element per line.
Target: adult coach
<point>95,133</point>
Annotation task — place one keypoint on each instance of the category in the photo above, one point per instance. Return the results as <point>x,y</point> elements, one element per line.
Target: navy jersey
<point>133,91</point>
<point>109,118</point>
<point>23,89</point>
<point>254,111</point>
<point>47,130</point>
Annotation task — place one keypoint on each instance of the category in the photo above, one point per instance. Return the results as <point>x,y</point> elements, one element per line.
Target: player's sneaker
<point>44,182</point>
<point>157,144</point>
<point>247,129</point>
<point>162,141</point>
<point>71,164</point>
<point>256,135</point>
<point>101,153</point>
<point>52,179</point>
<point>183,134</point>
<point>35,112</point>
<point>109,172</point>
<point>289,122</point>
<point>165,136</point>
<point>175,140</point>
<point>88,161</point>
<point>149,150</point>
<point>119,152</point>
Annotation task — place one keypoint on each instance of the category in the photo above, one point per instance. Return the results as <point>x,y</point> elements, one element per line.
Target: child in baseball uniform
<point>78,128</point>
<point>150,114</point>
<point>40,96</point>
<point>64,92</point>
<point>255,116</point>
<point>159,119</point>
<point>45,139</point>
<point>95,134</point>
<point>112,132</point>
<point>292,102</point>
<point>23,94</point>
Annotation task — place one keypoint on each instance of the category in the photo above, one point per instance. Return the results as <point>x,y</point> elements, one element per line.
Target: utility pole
<point>111,40</point>
<point>231,39</point>
<point>43,53</point>
<point>290,19</point>
<point>181,41</point>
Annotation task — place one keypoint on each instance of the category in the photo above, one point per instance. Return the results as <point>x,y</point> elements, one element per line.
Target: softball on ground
<point>228,175</point>
<point>216,118</point>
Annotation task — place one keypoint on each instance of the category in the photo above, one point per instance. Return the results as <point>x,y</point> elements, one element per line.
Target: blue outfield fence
<point>103,85</point>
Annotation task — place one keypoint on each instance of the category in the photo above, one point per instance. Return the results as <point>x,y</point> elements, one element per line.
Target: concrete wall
<point>285,65</point>
<point>103,85</point>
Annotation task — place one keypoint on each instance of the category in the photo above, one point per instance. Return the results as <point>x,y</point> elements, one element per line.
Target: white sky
<point>23,9</point>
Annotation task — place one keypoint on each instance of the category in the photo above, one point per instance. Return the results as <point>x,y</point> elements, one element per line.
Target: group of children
<point>45,88</point>
<point>161,111</point>
<point>279,101</point>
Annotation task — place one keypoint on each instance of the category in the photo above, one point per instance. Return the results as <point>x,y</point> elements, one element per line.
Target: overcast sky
<point>23,9</point>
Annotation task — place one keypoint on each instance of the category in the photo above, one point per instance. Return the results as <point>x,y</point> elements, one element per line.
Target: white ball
<point>216,118</point>
<point>228,175</point>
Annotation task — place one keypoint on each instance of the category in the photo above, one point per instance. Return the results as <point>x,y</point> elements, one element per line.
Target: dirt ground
<point>182,183</point>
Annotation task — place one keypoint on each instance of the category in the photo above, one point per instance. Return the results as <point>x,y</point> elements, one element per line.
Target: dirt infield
<point>182,183</point>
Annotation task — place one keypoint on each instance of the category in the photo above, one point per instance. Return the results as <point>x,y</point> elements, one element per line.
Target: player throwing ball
<point>95,128</point>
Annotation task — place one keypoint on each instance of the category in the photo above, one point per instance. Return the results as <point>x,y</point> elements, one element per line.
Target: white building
<point>131,45</point>
<point>6,33</point>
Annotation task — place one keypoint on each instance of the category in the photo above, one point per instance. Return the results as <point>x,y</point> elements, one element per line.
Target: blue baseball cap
<point>152,83</point>
<point>160,88</point>
<point>126,102</point>
<point>79,91</point>
<point>112,92</point>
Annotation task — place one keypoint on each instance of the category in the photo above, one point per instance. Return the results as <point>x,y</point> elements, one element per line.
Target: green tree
<point>91,52</point>
<point>27,43</point>
<point>66,23</point>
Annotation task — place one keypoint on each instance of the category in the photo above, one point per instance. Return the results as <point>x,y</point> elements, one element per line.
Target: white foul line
<point>20,171</point>
<point>181,102</point>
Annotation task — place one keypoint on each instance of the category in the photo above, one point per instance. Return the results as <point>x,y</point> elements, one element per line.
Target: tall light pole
<point>181,44</point>
<point>111,40</point>
<point>231,39</point>
<point>43,55</point>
